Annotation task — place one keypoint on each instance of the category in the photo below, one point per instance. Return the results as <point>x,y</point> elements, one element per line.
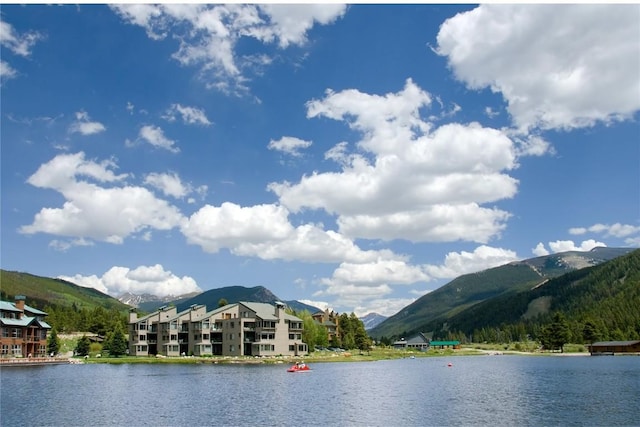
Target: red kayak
<point>299,367</point>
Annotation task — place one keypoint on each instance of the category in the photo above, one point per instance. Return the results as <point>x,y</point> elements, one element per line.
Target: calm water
<point>480,390</point>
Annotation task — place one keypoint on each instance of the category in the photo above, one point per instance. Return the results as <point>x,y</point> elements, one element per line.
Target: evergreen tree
<point>116,343</point>
<point>590,332</point>
<point>83,345</point>
<point>556,334</point>
<point>53,343</point>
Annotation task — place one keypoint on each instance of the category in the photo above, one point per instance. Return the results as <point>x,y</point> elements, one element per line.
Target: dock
<point>35,361</point>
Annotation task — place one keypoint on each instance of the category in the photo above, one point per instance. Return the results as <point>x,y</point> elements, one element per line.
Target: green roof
<point>445,342</point>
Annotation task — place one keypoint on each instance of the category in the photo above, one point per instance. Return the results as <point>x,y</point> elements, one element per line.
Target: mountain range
<point>515,290</point>
<point>469,290</point>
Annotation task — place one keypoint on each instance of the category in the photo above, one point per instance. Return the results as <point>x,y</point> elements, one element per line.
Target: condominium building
<point>330,320</point>
<point>23,331</point>
<point>240,329</point>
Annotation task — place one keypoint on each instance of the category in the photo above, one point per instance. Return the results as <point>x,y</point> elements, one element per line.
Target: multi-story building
<point>23,331</point>
<point>328,319</point>
<point>240,329</point>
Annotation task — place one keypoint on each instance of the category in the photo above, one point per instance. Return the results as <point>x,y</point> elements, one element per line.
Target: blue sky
<point>355,157</point>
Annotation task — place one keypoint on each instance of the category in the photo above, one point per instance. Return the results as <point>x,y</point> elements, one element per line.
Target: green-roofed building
<point>23,330</point>
<point>445,344</point>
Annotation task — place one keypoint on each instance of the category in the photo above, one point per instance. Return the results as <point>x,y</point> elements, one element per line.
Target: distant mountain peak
<point>371,320</point>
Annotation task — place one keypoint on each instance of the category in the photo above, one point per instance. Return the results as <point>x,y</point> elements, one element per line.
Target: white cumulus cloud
<point>407,180</point>
<point>93,210</point>
<point>289,145</point>
<point>557,66</point>
<point>458,263</point>
<point>153,279</point>
<point>570,245</point>
<point>169,183</point>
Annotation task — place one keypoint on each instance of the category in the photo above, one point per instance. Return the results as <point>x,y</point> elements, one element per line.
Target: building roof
<point>10,306</point>
<point>445,342</point>
<point>24,322</point>
<point>267,311</point>
<point>615,343</point>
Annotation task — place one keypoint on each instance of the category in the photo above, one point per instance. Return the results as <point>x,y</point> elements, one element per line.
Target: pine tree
<point>82,347</point>
<point>53,343</point>
<point>117,343</point>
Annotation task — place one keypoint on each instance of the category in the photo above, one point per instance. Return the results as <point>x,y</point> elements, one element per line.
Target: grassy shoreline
<point>328,357</point>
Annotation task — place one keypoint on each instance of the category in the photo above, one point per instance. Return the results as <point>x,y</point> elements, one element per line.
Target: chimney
<point>20,302</point>
<point>279,310</point>
<point>133,315</point>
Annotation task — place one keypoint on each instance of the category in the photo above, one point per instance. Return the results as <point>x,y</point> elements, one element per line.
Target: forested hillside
<point>469,290</point>
<point>69,307</point>
<point>598,302</point>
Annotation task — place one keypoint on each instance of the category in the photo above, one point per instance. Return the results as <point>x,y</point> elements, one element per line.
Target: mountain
<point>470,289</point>
<point>233,294</point>
<point>372,320</point>
<point>606,295</point>
<point>43,291</point>
<point>150,302</point>
<point>300,306</point>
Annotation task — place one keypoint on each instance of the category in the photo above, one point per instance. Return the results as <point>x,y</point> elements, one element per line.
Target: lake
<point>476,390</point>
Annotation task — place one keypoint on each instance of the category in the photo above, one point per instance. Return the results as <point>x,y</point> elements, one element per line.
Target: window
<point>16,349</point>
<point>174,337</point>
<point>5,349</point>
<point>233,324</point>
<point>16,333</point>
<point>205,337</point>
<point>292,348</point>
<point>142,338</point>
<point>5,332</point>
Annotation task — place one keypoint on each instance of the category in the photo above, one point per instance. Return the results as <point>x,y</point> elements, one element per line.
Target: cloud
<point>613,230</point>
<point>155,136</point>
<point>208,34</point>
<point>6,71</point>
<point>19,44</point>
<point>289,145</point>
<point>458,263</point>
<point>362,284</point>
<point>569,245</point>
<point>85,126</point>
<point>152,279</point>
<point>540,250</point>
<point>557,66</point>
<point>189,115</point>
<point>264,231</point>
<point>91,209</point>
<point>169,183</point>
<point>407,180</point>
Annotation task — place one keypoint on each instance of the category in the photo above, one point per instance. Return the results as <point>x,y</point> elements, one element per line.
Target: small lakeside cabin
<point>613,347</point>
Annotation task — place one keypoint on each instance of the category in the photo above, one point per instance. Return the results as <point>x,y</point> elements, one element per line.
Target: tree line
<point>351,333</point>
